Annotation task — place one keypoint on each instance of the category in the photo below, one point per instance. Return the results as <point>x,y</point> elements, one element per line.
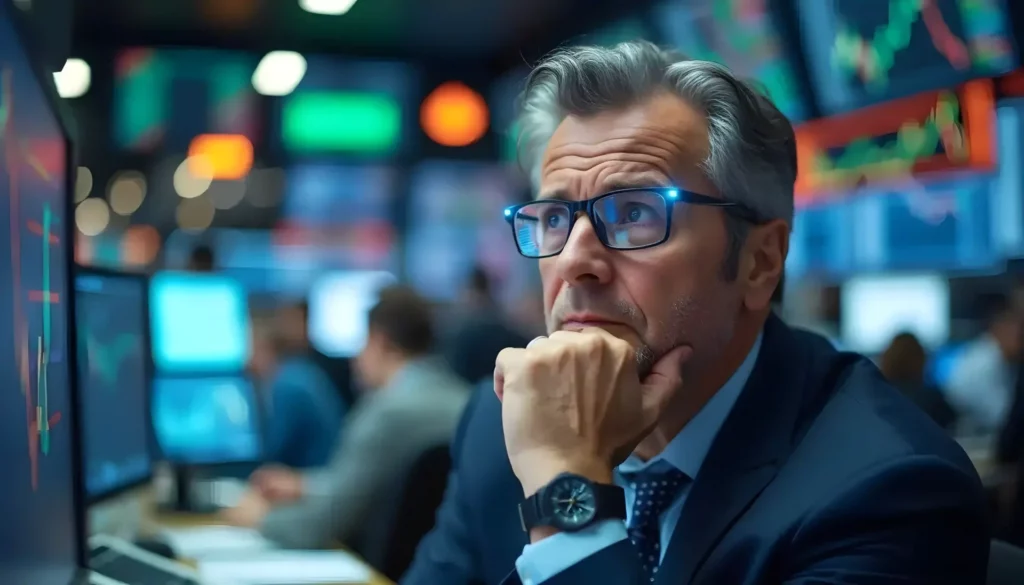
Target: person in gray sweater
<point>413,403</point>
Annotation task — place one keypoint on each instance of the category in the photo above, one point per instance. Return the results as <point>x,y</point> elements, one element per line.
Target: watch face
<point>572,502</point>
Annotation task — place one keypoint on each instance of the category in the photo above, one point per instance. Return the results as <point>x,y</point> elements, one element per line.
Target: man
<point>304,408</point>
<point>413,404</point>
<point>982,384</point>
<point>476,341</point>
<point>670,429</point>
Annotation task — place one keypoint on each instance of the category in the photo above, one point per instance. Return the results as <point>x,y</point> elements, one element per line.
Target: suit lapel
<point>745,456</point>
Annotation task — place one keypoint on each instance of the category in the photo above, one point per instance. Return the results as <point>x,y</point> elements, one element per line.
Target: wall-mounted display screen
<point>742,36</point>
<point>862,52</point>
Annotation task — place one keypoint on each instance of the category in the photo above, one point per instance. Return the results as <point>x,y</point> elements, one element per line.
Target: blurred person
<point>903,364</point>
<point>293,323</point>
<point>412,403</point>
<point>981,386</point>
<point>304,409</point>
<point>482,332</point>
<point>201,259</point>
<point>670,428</point>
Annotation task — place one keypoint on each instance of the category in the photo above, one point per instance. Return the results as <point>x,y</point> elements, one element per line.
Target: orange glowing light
<point>454,115</point>
<point>229,156</point>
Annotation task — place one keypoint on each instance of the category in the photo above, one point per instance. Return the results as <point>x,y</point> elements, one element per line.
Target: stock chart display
<point>456,223</point>
<point>932,133</point>
<point>113,380</point>
<point>741,35</point>
<point>206,420</point>
<point>867,51</point>
<point>37,536</point>
<point>163,98</point>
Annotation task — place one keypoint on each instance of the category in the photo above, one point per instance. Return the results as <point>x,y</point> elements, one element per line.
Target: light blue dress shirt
<point>686,452</point>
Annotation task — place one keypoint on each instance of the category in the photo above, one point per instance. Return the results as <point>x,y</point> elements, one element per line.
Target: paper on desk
<point>204,541</point>
<point>283,566</point>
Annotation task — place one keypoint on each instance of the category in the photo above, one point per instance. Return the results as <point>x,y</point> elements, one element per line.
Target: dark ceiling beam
<point>573,19</point>
<point>90,40</point>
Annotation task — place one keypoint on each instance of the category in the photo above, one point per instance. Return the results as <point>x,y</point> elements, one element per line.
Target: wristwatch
<point>571,503</point>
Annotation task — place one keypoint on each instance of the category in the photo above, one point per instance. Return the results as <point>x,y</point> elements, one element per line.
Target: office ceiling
<point>461,30</point>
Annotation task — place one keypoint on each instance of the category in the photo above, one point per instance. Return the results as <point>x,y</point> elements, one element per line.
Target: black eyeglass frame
<point>670,195</point>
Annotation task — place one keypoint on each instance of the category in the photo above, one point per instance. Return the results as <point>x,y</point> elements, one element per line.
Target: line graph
<point>30,348</point>
<point>932,133</point>
<point>863,52</point>
<point>873,59</point>
<point>105,357</point>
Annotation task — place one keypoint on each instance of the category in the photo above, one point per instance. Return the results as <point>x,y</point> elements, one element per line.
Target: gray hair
<point>752,154</point>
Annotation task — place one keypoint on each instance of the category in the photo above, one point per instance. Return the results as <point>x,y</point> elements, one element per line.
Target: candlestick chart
<point>867,51</point>
<point>32,166</point>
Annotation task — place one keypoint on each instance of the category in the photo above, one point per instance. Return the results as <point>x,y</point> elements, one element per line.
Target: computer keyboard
<point>116,565</point>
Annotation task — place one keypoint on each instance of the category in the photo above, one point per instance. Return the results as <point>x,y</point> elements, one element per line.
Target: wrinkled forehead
<point>663,141</point>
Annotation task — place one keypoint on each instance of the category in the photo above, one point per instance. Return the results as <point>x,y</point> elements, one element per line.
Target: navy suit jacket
<point>822,473</point>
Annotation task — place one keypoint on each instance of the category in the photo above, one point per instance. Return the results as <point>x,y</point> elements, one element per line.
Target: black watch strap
<point>611,505</point>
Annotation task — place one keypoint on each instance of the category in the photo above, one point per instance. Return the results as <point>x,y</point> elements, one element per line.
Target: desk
<point>155,520</point>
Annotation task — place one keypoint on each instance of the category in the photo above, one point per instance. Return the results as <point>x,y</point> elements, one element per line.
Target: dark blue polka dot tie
<point>654,491</point>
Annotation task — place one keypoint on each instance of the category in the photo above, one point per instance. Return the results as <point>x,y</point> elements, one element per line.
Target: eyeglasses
<point>625,219</point>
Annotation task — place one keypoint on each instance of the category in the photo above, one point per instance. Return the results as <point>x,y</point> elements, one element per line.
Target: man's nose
<point>584,259</point>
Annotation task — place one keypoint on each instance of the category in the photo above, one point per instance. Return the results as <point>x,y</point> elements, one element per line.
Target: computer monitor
<point>114,380</point>
<point>207,421</point>
<point>200,324</point>
<point>339,305</point>
<point>875,308</point>
<point>40,529</point>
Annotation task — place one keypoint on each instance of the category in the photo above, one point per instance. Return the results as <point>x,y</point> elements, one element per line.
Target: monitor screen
<point>936,226</point>
<point>741,35</point>
<point>38,534</point>
<point>113,379</point>
<point>862,52</point>
<point>200,323</point>
<point>874,309</point>
<point>338,308</point>
<point>201,421</point>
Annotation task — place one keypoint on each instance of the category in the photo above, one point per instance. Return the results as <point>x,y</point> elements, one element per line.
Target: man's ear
<point>766,249</point>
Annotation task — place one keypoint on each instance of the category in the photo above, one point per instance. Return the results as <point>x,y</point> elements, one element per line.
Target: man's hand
<point>278,485</point>
<point>249,512</point>
<point>574,402</point>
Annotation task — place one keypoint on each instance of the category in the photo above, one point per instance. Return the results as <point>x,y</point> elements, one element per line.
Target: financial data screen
<point>206,420</point>
<point>113,379</point>
<point>200,323</point>
<point>862,52</point>
<point>740,35</point>
<point>37,532</point>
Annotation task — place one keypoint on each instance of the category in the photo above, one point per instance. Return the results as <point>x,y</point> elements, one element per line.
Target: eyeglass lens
<point>631,219</point>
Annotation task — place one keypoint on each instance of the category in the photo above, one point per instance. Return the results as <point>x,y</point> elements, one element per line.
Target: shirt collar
<point>686,452</point>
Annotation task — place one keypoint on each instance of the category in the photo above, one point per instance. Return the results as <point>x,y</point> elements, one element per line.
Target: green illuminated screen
<point>317,122</point>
